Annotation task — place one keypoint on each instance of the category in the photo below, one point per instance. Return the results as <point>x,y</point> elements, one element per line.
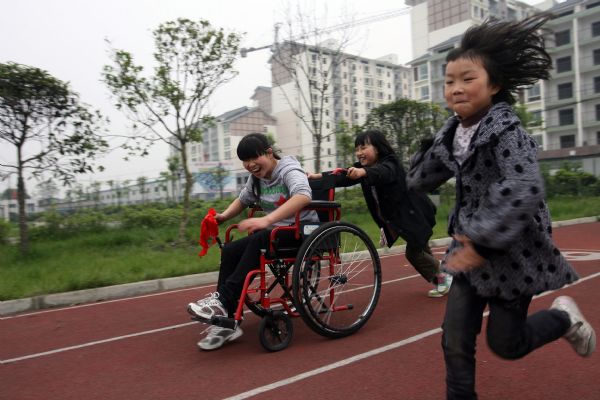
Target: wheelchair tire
<point>276,331</point>
<point>336,279</point>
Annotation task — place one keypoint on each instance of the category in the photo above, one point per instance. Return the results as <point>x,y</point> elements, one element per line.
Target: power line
<point>362,21</point>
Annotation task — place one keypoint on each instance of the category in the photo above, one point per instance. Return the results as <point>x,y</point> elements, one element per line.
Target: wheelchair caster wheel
<point>276,331</point>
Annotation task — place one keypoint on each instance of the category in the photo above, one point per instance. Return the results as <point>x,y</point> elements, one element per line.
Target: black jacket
<point>399,212</point>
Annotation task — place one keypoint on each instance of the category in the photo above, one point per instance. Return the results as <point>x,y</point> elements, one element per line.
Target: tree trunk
<point>186,196</point>
<point>21,196</point>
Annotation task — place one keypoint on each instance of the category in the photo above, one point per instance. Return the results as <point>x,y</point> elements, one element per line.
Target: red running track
<point>145,348</point>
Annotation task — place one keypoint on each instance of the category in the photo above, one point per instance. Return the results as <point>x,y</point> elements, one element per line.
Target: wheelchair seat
<point>323,195</point>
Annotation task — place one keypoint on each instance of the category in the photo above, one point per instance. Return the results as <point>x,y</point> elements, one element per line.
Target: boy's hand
<point>252,225</point>
<point>311,175</point>
<point>464,258</point>
<point>356,173</point>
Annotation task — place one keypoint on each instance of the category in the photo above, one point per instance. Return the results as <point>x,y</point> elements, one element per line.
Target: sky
<point>68,38</point>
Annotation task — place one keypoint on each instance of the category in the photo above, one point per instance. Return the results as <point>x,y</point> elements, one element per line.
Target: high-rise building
<point>319,84</point>
<point>569,107</point>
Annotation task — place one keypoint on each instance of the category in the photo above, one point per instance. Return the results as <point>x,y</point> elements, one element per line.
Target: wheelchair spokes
<point>337,279</point>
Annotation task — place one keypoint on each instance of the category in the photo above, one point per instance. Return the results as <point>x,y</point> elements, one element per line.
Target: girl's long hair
<point>512,52</point>
<point>377,139</point>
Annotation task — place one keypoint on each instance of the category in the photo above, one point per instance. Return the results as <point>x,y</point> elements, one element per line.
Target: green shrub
<point>4,231</point>
<point>150,217</point>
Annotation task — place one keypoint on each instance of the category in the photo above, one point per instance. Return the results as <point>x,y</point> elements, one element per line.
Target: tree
<point>95,188</point>
<point>405,123</point>
<point>47,191</point>
<point>50,130</point>
<point>214,179</point>
<point>174,166</point>
<point>192,60</point>
<point>528,119</point>
<point>164,178</point>
<point>303,70</point>
<point>141,181</point>
<point>344,142</point>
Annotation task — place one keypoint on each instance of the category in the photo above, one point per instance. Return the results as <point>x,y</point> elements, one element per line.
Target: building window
<point>533,93</point>
<point>421,72</point>
<point>596,28</point>
<point>424,93</point>
<point>566,117</point>
<point>597,112</point>
<point>598,137</point>
<point>565,90</point>
<point>567,141</point>
<point>597,84</point>
<point>563,64</point>
<point>597,57</point>
<point>563,37</point>
<point>536,118</point>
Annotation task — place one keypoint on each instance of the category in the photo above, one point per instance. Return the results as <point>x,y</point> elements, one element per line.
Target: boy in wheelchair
<point>280,186</point>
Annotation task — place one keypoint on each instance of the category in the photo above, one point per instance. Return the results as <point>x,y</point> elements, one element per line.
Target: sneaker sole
<point>436,294</point>
<point>591,343</point>
<point>236,334</point>
<point>198,317</point>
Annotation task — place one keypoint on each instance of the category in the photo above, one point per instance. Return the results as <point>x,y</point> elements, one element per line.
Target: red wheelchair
<point>332,280</point>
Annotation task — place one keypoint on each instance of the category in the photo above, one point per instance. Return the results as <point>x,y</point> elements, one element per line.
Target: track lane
<point>165,364</point>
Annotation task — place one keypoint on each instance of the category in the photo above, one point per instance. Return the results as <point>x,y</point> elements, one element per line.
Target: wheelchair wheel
<point>276,331</point>
<point>336,279</point>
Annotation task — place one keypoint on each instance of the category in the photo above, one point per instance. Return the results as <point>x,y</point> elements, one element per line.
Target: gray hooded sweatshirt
<point>288,179</point>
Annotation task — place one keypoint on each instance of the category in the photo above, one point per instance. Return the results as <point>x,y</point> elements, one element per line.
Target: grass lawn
<point>129,255</point>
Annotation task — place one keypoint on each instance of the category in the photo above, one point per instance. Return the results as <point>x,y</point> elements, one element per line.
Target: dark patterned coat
<point>499,205</point>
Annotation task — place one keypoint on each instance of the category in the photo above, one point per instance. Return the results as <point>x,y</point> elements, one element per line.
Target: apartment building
<point>570,101</point>
<point>437,26</point>
<point>213,162</point>
<point>349,87</point>
<point>566,106</point>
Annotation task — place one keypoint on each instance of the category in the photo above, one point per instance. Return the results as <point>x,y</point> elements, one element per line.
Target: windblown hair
<point>375,138</point>
<point>512,52</point>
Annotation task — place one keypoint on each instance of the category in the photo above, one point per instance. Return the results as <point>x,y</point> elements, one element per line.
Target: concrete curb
<point>105,293</point>
<point>10,307</point>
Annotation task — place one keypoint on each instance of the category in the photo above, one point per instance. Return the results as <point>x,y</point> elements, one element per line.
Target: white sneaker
<point>218,336</point>
<point>580,335</point>
<point>442,288</point>
<point>208,307</point>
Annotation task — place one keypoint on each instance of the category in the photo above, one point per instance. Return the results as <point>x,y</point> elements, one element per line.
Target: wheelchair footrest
<point>224,322</point>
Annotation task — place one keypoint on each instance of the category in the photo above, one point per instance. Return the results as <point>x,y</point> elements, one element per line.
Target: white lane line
<point>362,356</point>
<point>132,335</point>
<point>113,339</point>
<point>335,365</point>
<point>97,342</point>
